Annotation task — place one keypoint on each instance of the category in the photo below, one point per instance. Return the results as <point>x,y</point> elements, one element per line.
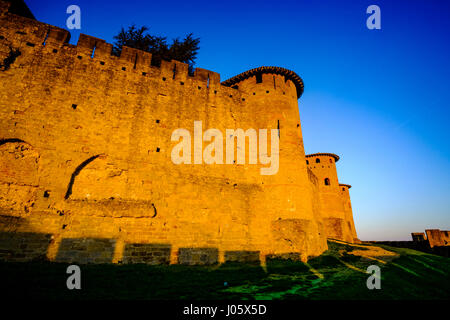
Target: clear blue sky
<point>378,98</point>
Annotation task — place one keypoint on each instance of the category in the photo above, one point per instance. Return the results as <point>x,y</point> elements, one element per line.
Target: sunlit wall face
<point>378,98</point>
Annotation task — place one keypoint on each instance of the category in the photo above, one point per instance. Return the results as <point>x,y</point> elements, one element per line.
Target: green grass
<point>336,274</point>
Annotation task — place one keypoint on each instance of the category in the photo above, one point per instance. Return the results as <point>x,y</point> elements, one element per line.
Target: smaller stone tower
<point>332,208</point>
<point>345,193</point>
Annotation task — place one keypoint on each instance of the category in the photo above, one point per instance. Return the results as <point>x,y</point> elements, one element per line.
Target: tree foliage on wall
<point>184,50</point>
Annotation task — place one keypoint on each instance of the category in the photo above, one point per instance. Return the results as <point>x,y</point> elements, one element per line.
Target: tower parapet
<point>275,78</point>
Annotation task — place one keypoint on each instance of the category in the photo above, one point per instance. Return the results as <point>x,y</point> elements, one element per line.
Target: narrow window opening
<point>258,78</point>
<point>74,106</point>
<point>215,91</point>
<point>46,194</point>
<point>157,149</point>
<point>46,36</point>
<point>199,88</point>
<point>174,71</point>
<point>123,68</point>
<point>135,61</point>
<point>274,84</point>
<point>207,82</point>
<point>317,160</point>
<point>307,162</point>
<point>331,160</point>
<point>327,181</point>
<point>182,83</point>
<point>93,51</point>
<point>343,189</point>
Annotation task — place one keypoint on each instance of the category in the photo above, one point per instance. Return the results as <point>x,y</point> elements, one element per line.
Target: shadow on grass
<point>336,274</point>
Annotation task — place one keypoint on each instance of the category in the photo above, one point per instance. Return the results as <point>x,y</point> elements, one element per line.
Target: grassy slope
<point>337,274</point>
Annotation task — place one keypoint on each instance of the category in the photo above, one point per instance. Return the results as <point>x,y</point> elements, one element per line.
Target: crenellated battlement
<point>30,35</point>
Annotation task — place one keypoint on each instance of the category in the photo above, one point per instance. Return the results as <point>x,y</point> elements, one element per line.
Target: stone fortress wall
<point>434,237</point>
<point>433,241</point>
<point>86,173</point>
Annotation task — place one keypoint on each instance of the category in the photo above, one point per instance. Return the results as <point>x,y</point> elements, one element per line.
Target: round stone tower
<point>272,95</point>
<point>332,208</point>
<point>345,193</point>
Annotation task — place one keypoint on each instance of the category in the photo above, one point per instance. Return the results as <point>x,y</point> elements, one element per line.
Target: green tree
<point>184,50</point>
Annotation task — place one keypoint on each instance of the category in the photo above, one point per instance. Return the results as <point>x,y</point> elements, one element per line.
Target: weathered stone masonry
<point>85,168</point>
